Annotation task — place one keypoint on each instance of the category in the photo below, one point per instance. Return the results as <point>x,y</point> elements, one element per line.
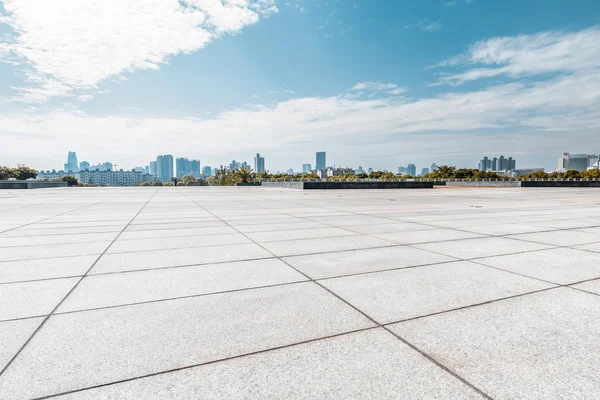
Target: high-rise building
<point>147,169</point>
<point>306,168</point>
<point>152,168</point>
<point>111,178</point>
<point>360,170</point>
<point>369,170</point>
<point>106,166</point>
<point>411,169</point>
<point>72,165</point>
<point>321,160</point>
<point>424,171</point>
<point>433,167</point>
<point>183,166</point>
<point>84,165</point>
<point>164,167</point>
<point>259,163</point>
<point>401,170</point>
<point>497,164</point>
<point>207,171</point>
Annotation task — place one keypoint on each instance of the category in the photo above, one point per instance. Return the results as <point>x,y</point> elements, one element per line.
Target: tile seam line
<point>372,320</point>
<point>16,355</point>
<point>220,360</point>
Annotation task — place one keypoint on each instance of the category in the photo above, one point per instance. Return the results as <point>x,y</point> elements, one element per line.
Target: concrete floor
<point>251,293</point>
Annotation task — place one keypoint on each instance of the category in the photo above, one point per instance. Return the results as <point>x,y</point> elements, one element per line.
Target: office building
<point>139,169</point>
<point>51,175</point>
<point>579,162</point>
<point>424,171</point>
<point>259,163</point>
<point>111,178</point>
<point>360,170</point>
<point>433,167</point>
<point>72,165</point>
<point>207,171</point>
<point>321,160</point>
<point>164,167</point>
<point>105,166</point>
<point>84,165</point>
<point>147,170</point>
<point>411,169</point>
<point>183,166</point>
<point>234,165</point>
<point>401,170</point>
<point>369,170</point>
<point>152,168</point>
<point>306,168</point>
<point>497,164</point>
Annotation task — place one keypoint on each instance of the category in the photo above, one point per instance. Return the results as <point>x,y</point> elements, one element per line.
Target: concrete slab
<point>541,346</point>
<point>295,234</point>
<point>67,355</point>
<point>45,268</point>
<point>32,299</point>
<point>97,291</point>
<point>569,237</point>
<point>52,250</point>
<point>323,245</point>
<point>426,236</point>
<point>590,286</point>
<point>13,335</point>
<point>562,265</point>
<point>164,243</point>
<point>334,264</point>
<point>408,293</point>
<point>483,247</point>
<point>326,369</point>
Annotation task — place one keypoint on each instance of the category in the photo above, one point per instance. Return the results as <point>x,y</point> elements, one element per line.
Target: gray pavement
<point>252,293</point>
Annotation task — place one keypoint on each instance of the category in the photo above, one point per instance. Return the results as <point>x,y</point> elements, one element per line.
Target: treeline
<point>569,174</point>
<point>20,173</point>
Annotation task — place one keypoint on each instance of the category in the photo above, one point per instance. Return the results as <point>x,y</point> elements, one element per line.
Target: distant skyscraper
<point>164,167</point>
<point>411,169</point>
<point>306,168</point>
<point>433,167</point>
<point>152,168</point>
<point>369,170</point>
<point>147,169</point>
<point>183,166</point>
<point>259,163</point>
<point>401,170</point>
<point>497,164</point>
<point>360,170</point>
<point>72,165</point>
<point>290,171</point>
<point>424,171</point>
<point>207,171</point>
<point>84,165</point>
<point>321,160</point>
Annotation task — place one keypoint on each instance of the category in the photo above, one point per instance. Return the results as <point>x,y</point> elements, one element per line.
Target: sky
<point>374,83</point>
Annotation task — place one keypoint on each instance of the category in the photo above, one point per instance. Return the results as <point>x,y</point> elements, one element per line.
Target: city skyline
<point>378,84</point>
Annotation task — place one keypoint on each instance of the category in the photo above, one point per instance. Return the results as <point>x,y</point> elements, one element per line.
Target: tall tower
<point>321,160</point>
<point>72,165</point>
<point>259,163</point>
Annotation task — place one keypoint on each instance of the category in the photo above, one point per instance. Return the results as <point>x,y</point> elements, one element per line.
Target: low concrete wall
<point>559,184</point>
<point>287,185</point>
<point>31,184</point>
<point>484,183</point>
<point>324,185</point>
<point>248,184</point>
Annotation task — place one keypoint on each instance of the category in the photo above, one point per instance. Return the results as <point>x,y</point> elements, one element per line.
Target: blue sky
<point>375,83</point>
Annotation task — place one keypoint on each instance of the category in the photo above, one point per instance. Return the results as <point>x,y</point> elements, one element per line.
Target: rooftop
<point>253,293</point>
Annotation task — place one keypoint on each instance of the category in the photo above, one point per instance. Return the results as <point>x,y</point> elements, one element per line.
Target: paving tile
<point>296,234</point>
<point>505,229</point>
<point>181,232</point>
<point>482,247</point>
<point>30,299</point>
<point>52,250</point>
<point>173,225</point>
<point>330,368</point>
<point>590,286</point>
<point>56,239</point>
<point>560,238</point>
<point>279,227</point>
<point>308,246</point>
<point>408,293</point>
<point>539,346</point>
<point>426,236</point>
<point>120,262</point>
<point>328,265</point>
<point>561,265</point>
<point>45,268</point>
<point>133,341</point>
<point>115,289</point>
<point>13,335</point>
<point>60,231</point>
<point>595,247</point>
<point>389,227</point>
<point>123,246</point>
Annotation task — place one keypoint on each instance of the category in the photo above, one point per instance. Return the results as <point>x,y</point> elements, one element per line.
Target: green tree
<point>6,173</point>
<point>591,174</point>
<point>157,183</point>
<point>571,174</point>
<point>146,184</point>
<point>71,180</point>
<point>190,180</point>
<point>169,184</point>
<point>245,174</point>
<point>24,173</point>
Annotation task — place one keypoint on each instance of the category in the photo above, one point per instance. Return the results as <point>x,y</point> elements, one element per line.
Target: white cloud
<point>68,47</point>
<point>426,26</point>
<point>375,86</point>
<point>526,55</point>
<point>448,124</point>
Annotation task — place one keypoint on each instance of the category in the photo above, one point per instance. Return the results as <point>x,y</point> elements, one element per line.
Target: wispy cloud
<point>68,47</point>
<point>526,55</point>
<point>426,25</point>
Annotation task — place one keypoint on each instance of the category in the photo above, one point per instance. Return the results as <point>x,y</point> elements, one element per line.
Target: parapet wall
<point>325,185</point>
<point>31,184</point>
<point>484,183</point>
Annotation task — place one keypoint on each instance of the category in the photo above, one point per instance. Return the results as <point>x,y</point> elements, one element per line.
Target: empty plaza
<point>271,293</point>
